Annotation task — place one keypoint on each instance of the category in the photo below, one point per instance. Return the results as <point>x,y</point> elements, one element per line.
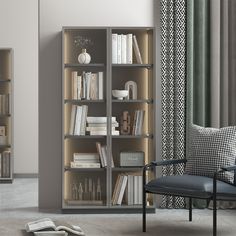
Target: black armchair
<point>189,186</point>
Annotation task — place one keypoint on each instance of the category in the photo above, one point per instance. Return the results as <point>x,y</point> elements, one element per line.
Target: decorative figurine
<point>125,123</point>
<point>131,86</point>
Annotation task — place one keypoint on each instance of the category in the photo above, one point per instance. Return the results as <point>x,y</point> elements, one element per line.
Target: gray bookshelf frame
<point>109,103</point>
<point>9,116</point>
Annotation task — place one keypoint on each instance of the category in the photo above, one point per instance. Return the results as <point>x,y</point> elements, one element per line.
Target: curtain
<point>173,86</point>
<point>211,63</point>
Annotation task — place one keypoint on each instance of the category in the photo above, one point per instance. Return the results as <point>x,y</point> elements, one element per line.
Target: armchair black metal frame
<point>227,191</point>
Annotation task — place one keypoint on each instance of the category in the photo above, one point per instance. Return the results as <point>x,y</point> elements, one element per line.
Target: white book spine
<point>74,85</point>
<point>100,119</point>
<point>129,48</point>
<point>104,155</point>
<point>102,132</point>
<point>93,87</point>
<point>72,119</point>
<point>122,189</point>
<point>78,120</point>
<point>85,165</point>
<point>88,84</point>
<point>135,189</point>
<point>83,85</point>
<point>114,48</point>
<point>100,84</point>
<point>79,86</point>
<point>119,49</point>
<point>123,49</point>
<point>83,120</point>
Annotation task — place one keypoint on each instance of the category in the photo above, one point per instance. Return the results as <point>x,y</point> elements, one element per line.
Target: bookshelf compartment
<point>141,76</point>
<point>85,189</point>
<point>94,41</point>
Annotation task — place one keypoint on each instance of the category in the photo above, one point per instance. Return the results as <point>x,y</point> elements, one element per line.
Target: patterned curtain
<point>173,86</point>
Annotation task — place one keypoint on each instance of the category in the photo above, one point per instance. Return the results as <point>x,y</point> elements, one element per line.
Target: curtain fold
<point>173,83</point>
<point>211,64</point>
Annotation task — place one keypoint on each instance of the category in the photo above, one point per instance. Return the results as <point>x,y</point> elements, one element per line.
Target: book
<point>113,124</point>
<point>99,150</point>
<point>104,132</point>
<point>129,49</point>
<point>114,48</point>
<point>48,224</point>
<point>100,85</point>
<point>101,128</point>
<point>94,87</point>
<point>119,49</point>
<point>74,85</point>
<point>72,119</point>
<point>123,49</point>
<point>86,157</point>
<point>84,165</point>
<point>78,120</point>
<point>136,50</point>
<point>99,119</point>
<point>122,190</point>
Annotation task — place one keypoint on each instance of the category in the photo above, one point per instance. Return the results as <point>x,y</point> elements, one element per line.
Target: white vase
<point>84,57</point>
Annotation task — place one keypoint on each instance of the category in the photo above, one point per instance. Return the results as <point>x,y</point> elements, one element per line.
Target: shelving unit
<point>114,77</point>
<point>6,117</point>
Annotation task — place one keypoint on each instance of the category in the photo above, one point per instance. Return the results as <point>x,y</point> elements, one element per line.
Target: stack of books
<point>78,120</point>
<point>98,125</point>
<point>87,86</point>
<point>5,164</point>
<point>102,152</point>
<point>85,160</point>
<point>138,122</point>
<point>122,49</point>
<point>128,189</point>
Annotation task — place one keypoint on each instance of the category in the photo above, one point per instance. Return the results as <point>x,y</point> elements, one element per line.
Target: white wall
<point>53,15</point>
<point>19,30</point>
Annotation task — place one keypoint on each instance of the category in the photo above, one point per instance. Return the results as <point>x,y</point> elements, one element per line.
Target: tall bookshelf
<point>6,116</point>
<point>114,77</point>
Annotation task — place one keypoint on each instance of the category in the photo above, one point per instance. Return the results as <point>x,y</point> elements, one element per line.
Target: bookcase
<point>6,116</point>
<point>94,128</point>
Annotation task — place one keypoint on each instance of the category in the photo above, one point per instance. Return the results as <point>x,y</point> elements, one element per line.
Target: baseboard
<point>26,175</point>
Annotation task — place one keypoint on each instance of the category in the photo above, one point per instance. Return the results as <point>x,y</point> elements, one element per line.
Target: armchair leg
<point>214,208</point>
<point>190,209</point>
<point>144,210</point>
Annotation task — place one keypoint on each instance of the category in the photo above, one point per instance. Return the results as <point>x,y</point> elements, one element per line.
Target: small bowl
<point>120,94</point>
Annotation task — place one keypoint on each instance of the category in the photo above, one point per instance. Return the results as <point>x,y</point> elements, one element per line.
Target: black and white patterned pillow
<point>211,148</point>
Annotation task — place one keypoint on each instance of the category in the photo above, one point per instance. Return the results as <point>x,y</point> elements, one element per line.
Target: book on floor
<point>49,225</point>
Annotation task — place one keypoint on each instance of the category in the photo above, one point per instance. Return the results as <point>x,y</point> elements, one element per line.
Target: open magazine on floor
<point>49,225</point>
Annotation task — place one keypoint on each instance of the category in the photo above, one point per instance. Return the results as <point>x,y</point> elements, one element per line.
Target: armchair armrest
<point>228,168</point>
<point>164,163</point>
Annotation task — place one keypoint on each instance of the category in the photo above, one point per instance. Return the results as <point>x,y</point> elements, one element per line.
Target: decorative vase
<point>84,57</point>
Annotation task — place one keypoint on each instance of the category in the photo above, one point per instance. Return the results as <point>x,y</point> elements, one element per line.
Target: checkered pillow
<point>210,149</point>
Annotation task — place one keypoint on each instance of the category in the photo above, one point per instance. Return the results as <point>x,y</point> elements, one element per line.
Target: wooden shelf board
<point>133,136</point>
<point>76,101</point>
<point>5,80</point>
<point>133,65</point>
<point>127,168</point>
<point>84,136</point>
<point>67,168</point>
<point>133,101</point>
<point>72,65</point>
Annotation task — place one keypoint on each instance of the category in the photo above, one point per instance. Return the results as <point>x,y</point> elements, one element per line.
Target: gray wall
<point>19,30</point>
<point>53,15</point>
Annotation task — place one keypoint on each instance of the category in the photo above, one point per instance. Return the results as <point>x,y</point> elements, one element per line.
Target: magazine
<point>48,224</point>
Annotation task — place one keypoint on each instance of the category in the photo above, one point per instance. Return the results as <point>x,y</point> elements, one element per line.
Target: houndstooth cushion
<point>210,149</point>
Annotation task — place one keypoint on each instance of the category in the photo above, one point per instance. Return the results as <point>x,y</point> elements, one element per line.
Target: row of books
<point>78,120</point>
<point>128,190</point>
<point>122,49</point>
<point>98,126</point>
<point>4,104</point>
<point>5,164</point>
<point>138,122</point>
<point>87,86</point>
